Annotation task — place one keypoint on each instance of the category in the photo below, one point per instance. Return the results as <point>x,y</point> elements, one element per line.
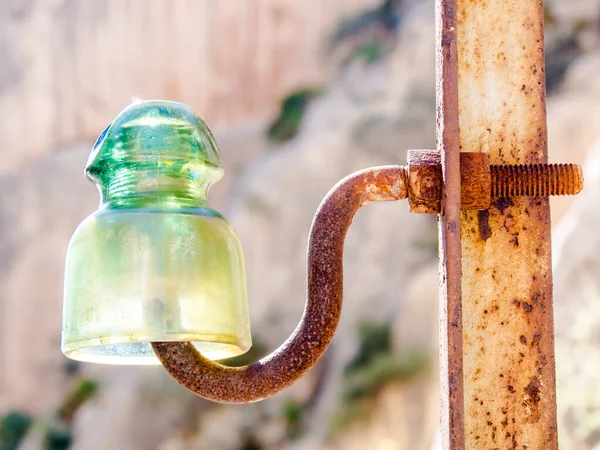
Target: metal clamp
<point>421,182</point>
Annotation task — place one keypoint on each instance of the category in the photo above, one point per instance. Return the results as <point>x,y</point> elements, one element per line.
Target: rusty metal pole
<point>491,98</point>
<point>451,324</point>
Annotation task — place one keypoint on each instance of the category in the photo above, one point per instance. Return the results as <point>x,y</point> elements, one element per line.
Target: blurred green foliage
<point>13,429</point>
<point>57,435</point>
<point>349,413</point>
<point>382,370</point>
<point>374,367</point>
<point>293,413</point>
<point>291,114</point>
<point>369,52</point>
<point>58,439</point>
<point>369,32</point>
<point>375,339</point>
<point>82,392</point>
<point>385,15</point>
<point>368,47</point>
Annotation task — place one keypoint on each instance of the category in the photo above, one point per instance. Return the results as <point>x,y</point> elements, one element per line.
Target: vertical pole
<point>493,51</point>
<point>451,371</point>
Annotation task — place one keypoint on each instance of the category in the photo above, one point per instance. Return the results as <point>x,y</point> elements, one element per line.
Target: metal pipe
<point>451,334</point>
<point>506,276</point>
<point>311,338</point>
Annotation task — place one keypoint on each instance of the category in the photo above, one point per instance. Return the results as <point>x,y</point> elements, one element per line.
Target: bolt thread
<point>536,180</point>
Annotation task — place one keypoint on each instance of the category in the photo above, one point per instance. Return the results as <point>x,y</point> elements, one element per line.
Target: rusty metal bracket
<point>421,182</point>
<point>324,286</point>
<point>482,184</point>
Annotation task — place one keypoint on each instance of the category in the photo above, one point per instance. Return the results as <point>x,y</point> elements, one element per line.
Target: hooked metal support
<point>324,285</point>
<point>421,182</point>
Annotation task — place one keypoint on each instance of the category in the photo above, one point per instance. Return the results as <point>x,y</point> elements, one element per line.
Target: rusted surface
<point>508,348</point>
<point>451,364</point>
<point>482,183</point>
<point>323,302</point>
<point>536,180</point>
<point>424,181</point>
<point>476,181</point>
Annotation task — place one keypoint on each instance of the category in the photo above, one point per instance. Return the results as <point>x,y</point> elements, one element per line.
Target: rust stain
<point>503,203</point>
<point>476,181</point>
<point>483,223</point>
<point>532,399</point>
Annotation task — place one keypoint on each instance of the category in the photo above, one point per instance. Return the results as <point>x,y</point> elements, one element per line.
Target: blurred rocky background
<point>299,94</point>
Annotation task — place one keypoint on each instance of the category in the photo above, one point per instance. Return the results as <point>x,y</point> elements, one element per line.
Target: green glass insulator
<point>154,262</point>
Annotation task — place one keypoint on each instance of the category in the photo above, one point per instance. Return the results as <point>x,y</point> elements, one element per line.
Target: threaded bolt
<point>535,180</point>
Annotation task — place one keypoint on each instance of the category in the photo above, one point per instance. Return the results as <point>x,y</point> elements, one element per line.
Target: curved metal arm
<point>313,334</point>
